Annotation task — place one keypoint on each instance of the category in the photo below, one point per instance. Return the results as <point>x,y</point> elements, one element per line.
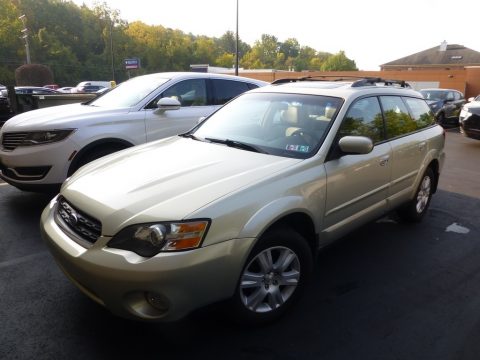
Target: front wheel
<point>415,210</point>
<point>274,275</point>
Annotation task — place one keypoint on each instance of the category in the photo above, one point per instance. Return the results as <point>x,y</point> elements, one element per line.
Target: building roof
<point>450,55</point>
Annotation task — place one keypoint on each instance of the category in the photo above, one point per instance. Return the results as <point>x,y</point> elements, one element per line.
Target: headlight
<point>45,137</point>
<point>149,239</point>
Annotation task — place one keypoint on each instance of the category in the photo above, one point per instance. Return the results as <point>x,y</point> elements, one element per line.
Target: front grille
<point>10,141</point>
<point>78,223</point>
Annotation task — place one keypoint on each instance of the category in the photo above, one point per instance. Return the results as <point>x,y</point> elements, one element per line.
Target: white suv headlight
<point>45,137</point>
<point>149,239</point>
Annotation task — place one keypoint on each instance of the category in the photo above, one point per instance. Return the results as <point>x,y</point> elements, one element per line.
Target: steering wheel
<point>308,136</point>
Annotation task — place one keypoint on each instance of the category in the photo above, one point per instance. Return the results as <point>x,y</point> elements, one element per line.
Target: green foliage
<point>339,62</point>
<point>80,43</point>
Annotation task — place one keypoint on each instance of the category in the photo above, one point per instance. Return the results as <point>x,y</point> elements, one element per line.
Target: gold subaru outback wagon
<point>236,208</point>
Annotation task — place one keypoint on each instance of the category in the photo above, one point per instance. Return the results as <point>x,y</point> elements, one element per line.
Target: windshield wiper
<point>237,144</point>
<point>191,136</point>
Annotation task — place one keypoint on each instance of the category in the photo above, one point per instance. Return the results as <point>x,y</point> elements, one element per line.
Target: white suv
<point>236,208</point>
<point>40,148</point>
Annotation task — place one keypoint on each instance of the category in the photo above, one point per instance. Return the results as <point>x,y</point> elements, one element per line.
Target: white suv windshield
<point>129,93</point>
<point>288,125</point>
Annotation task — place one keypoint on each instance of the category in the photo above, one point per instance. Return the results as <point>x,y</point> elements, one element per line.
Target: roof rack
<point>362,81</point>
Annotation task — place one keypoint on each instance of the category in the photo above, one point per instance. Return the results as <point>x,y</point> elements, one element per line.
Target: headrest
<point>290,116</point>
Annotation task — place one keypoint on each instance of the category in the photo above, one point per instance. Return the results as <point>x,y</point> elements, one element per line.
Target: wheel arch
<point>301,223</point>
<point>98,144</point>
<point>435,166</point>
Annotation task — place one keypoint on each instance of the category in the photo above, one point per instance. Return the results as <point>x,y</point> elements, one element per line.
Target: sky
<point>370,32</point>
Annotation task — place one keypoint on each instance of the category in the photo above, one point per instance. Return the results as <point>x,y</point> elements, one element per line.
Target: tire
<point>273,277</point>
<point>415,210</point>
<point>93,154</point>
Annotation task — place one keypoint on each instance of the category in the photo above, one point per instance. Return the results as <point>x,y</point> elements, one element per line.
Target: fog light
<point>157,301</point>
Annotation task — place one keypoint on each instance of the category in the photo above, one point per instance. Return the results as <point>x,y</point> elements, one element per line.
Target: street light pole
<point>25,37</point>
<point>236,46</point>
<point>111,49</point>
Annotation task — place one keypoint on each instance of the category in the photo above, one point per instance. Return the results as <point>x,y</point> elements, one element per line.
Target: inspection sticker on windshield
<point>299,148</point>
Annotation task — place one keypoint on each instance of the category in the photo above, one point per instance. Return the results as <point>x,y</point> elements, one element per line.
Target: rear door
<point>404,119</point>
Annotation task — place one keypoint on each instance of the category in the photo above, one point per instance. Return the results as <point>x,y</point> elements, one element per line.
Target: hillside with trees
<point>78,43</point>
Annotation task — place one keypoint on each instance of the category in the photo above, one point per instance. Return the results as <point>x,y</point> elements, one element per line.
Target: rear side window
<point>364,118</point>
<point>420,112</point>
<point>397,119</point>
<point>225,90</point>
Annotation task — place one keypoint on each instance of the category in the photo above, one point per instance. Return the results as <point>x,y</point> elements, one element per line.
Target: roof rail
<point>316,78</point>
<point>362,81</point>
<point>372,81</point>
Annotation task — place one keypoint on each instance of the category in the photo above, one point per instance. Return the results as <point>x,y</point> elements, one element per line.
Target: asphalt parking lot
<point>386,291</point>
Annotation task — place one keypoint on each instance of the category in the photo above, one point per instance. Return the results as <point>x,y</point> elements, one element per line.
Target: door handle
<point>384,160</point>
<point>422,145</point>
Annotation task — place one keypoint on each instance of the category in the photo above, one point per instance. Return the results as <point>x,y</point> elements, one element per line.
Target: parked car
<point>40,148</point>
<point>469,120</point>
<point>236,208</point>
<point>92,86</point>
<point>65,89</point>
<point>52,86</point>
<point>5,110</point>
<point>89,88</point>
<point>445,103</point>
<point>34,90</point>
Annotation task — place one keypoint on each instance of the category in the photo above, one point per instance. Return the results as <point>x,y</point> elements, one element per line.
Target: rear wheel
<point>274,275</point>
<point>415,210</point>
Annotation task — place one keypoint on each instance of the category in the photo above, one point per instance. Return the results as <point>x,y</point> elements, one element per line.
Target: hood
<point>472,104</point>
<point>165,180</point>
<point>57,117</point>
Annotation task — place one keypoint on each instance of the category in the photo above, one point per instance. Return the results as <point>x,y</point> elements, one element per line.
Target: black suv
<point>5,112</point>
<point>445,104</point>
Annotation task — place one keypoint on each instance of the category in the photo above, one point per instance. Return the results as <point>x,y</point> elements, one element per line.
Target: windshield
<point>288,125</point>
<point>434,94</point>
<point>129,93</point>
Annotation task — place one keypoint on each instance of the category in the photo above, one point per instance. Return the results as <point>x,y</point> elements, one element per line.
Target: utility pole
<point>25,36</point>
<point>236,46</point>
<point>111,49</point>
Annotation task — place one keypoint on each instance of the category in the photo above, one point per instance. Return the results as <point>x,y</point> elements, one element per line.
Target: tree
<point>34,75</point>
<point>225,60</point>
<point>290,48</point>
<point>339,62</point>
<point>305,55</point>
<point>12,52</point>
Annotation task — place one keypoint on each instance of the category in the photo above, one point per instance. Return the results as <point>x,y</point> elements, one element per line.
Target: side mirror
<point>168,103</point>
<point>356,144</point>
<point>471,99</point>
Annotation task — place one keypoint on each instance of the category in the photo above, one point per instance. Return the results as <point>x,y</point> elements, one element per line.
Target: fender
<point>272,212</point>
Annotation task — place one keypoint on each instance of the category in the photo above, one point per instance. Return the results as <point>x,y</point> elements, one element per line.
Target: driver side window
<point>188,92</point>
<point>364,118</point>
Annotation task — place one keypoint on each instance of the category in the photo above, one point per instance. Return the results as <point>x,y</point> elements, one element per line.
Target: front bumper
<point>33,167</point>
<point>470,126</point>
<point>123,282</point>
